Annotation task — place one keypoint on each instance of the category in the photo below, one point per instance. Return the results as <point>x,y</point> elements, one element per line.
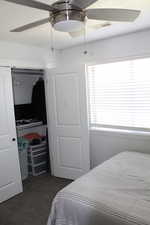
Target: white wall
<point>135,45</point>
<point>22,56</point>
<point>106,144</point>
<point>112,49</point>
<point>103,145</point>
<point>22,87</point>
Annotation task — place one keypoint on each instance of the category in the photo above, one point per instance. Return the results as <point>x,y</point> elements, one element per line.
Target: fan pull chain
<point>85,40</point>
<point>52,40</point>
<point>85,52</point>
<point>52,48</point>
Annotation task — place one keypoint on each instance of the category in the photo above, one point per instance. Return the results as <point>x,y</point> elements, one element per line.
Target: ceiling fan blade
<point>98,26</point>
<point>120,15</point>
<point>77,33</point>
<point>31,25</point>
<point>90,28</point>
<point>82,3</point>
<point>32,4</point>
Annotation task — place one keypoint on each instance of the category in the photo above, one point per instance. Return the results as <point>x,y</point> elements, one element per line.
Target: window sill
<point>120,132</point>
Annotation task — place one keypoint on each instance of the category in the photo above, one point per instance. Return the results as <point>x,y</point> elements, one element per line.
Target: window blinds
<point>119,94</point>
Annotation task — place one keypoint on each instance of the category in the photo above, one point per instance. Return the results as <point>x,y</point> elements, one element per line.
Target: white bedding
<point>115,193</point>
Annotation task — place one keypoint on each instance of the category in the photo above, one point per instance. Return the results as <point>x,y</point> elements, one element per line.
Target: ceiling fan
<point>70,15</point>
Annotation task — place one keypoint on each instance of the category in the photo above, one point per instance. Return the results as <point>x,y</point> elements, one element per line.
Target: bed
<point>115,193</point>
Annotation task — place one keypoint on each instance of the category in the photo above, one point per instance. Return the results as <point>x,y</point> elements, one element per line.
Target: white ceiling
<point>12,16</point>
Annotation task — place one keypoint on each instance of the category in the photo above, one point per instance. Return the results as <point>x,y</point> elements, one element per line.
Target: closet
<point>31,121</point>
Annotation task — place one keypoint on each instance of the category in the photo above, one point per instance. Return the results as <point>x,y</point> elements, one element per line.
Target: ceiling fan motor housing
<point>67,17</point>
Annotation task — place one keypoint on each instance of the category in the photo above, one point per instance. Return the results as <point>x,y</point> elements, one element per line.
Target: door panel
<point>10,178</point>
<point>67,106</point>
<point>67,113</point>
<point>67,158</point>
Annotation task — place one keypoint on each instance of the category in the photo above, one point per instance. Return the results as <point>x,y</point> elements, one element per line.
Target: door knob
<point>13,139</point>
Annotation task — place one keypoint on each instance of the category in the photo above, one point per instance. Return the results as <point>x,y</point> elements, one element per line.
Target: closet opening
<point>31,123</point>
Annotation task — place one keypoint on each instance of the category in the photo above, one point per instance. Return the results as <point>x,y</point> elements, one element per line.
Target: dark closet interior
<point>31,121</point>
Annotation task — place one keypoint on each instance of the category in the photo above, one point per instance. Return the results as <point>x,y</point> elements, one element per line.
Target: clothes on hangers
<point>38,100</point>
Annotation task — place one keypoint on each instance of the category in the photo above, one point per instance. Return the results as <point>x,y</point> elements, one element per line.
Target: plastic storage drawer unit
<point>38,159</point>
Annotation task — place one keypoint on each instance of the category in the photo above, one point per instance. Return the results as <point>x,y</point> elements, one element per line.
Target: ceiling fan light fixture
<point>68,25</point>
<point>67,18</point>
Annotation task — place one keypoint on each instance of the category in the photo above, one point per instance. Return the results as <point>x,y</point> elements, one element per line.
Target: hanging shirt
<point>38,101</point>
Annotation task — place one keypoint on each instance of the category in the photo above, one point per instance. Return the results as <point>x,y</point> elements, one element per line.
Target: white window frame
<point>112,128</point>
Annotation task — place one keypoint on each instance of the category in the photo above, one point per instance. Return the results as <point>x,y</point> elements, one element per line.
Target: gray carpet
<point>32,207</point>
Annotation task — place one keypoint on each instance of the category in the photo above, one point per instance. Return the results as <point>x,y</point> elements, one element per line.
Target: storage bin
<point>23,164</point>
<point>38,159</point>
<point>23,149</point>
<point>38,169</point>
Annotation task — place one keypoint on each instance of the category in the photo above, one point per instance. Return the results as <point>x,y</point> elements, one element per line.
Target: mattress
<point>115,193</point>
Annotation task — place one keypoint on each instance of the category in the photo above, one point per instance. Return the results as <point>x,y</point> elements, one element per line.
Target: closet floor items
<point>32,207</point>
<point>23,145</point>
<point>28,123</point>
<point>38,159</point>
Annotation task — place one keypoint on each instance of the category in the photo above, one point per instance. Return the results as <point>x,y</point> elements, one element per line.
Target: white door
<point>67,115</point>
<point>10,178</point>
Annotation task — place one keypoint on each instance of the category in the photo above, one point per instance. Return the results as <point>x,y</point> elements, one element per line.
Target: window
<point>119,94</point>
